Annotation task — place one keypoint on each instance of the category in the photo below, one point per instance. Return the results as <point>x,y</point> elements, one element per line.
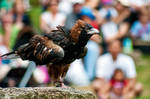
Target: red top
<point>118,84</point>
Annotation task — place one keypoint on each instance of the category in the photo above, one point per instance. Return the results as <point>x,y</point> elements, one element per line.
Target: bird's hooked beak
<point>93,31</point>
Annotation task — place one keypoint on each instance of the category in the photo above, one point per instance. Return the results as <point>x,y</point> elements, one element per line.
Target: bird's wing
<point>41,50</point>
<point>45,50</point>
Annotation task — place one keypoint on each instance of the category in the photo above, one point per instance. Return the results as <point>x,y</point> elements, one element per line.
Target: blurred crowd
<point>124,26</point>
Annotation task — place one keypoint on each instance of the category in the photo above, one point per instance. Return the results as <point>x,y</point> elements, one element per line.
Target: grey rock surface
<point>44,93</point>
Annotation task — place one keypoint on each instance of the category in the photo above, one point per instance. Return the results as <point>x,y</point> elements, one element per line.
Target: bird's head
<point>83,29</point>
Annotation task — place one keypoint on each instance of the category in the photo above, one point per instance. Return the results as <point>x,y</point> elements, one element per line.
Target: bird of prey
<point>56,49</point>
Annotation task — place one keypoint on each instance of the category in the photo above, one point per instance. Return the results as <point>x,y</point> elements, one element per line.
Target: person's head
<point>53,6</point>
<point>77,7</point>
<point>120,5</point>
<point>115,47</point>
<point>118,75</point>
<point>87,15</point>
<point>18,7</point>
<point>144,18</point>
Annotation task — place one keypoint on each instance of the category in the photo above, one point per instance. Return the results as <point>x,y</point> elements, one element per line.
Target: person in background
<point>90,59</point>
<point>108,63</point>
<point>44,4</point>
<point>73,16</point>
<point>20,18</point>
<point>51,18</point>
<point>117,84</point>
<point>13,22</point>
<point>141,28</point>
<point>106,16</point>
<point>87,15</point>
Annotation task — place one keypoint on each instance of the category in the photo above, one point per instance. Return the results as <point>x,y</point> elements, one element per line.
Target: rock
<point>44,93</point>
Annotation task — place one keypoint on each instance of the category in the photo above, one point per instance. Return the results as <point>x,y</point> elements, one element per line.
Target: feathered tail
<point>11,55</point>
<point>15,54</point>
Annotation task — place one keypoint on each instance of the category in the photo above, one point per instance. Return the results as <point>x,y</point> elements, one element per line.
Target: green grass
<point>143,75</point>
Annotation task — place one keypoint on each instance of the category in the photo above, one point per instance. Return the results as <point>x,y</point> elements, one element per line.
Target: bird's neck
<point>83,39</point>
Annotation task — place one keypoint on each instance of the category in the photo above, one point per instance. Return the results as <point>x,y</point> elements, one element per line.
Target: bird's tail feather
<point>11,55</point>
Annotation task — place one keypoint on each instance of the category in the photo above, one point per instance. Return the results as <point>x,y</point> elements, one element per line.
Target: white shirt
<point>106,66</point>
<point>109,29</point>
<point>76,74</point>
<point>51,21</point>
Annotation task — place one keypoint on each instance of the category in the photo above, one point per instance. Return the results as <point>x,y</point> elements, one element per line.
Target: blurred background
<point>117,62</point>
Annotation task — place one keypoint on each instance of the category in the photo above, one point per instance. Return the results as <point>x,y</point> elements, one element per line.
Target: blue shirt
<point>138,29</point>
<point>91,58</point>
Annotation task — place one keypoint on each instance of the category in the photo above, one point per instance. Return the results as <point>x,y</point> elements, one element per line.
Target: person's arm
<point>124,14</point>
<point>130,75</point>
<point>130,85</point>
<point>123,30</point>
<point>90,59</point>
<point>102,87</point>
<point>7,25</point>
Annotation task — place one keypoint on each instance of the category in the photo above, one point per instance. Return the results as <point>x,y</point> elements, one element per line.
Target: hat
<point>77,1</point>
<point>85,11</point>
<point>124,2</point>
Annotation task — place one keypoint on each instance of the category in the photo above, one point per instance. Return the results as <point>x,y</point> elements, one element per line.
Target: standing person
<point>106,66</point>
<point>51,18</point>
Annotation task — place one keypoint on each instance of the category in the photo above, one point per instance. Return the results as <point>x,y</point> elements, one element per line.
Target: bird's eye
<point>88,26</point>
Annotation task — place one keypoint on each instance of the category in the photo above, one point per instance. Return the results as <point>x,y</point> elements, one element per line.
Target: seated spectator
<point>117,83</point>
<point>51,18</point>
<point>106,16</point>
<point>92,45</point>
<point>13,22</point>
<point>73,16</point>
<point>20,18</point>
<point>108,63</point>
<point>141,28</point>
<point>87,15</point>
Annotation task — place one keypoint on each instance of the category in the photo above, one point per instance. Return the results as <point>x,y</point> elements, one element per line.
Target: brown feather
<point>57,72</point>
<point>76,30</point>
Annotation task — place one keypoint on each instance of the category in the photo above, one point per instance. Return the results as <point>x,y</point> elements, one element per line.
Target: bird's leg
<point>60,83</point>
